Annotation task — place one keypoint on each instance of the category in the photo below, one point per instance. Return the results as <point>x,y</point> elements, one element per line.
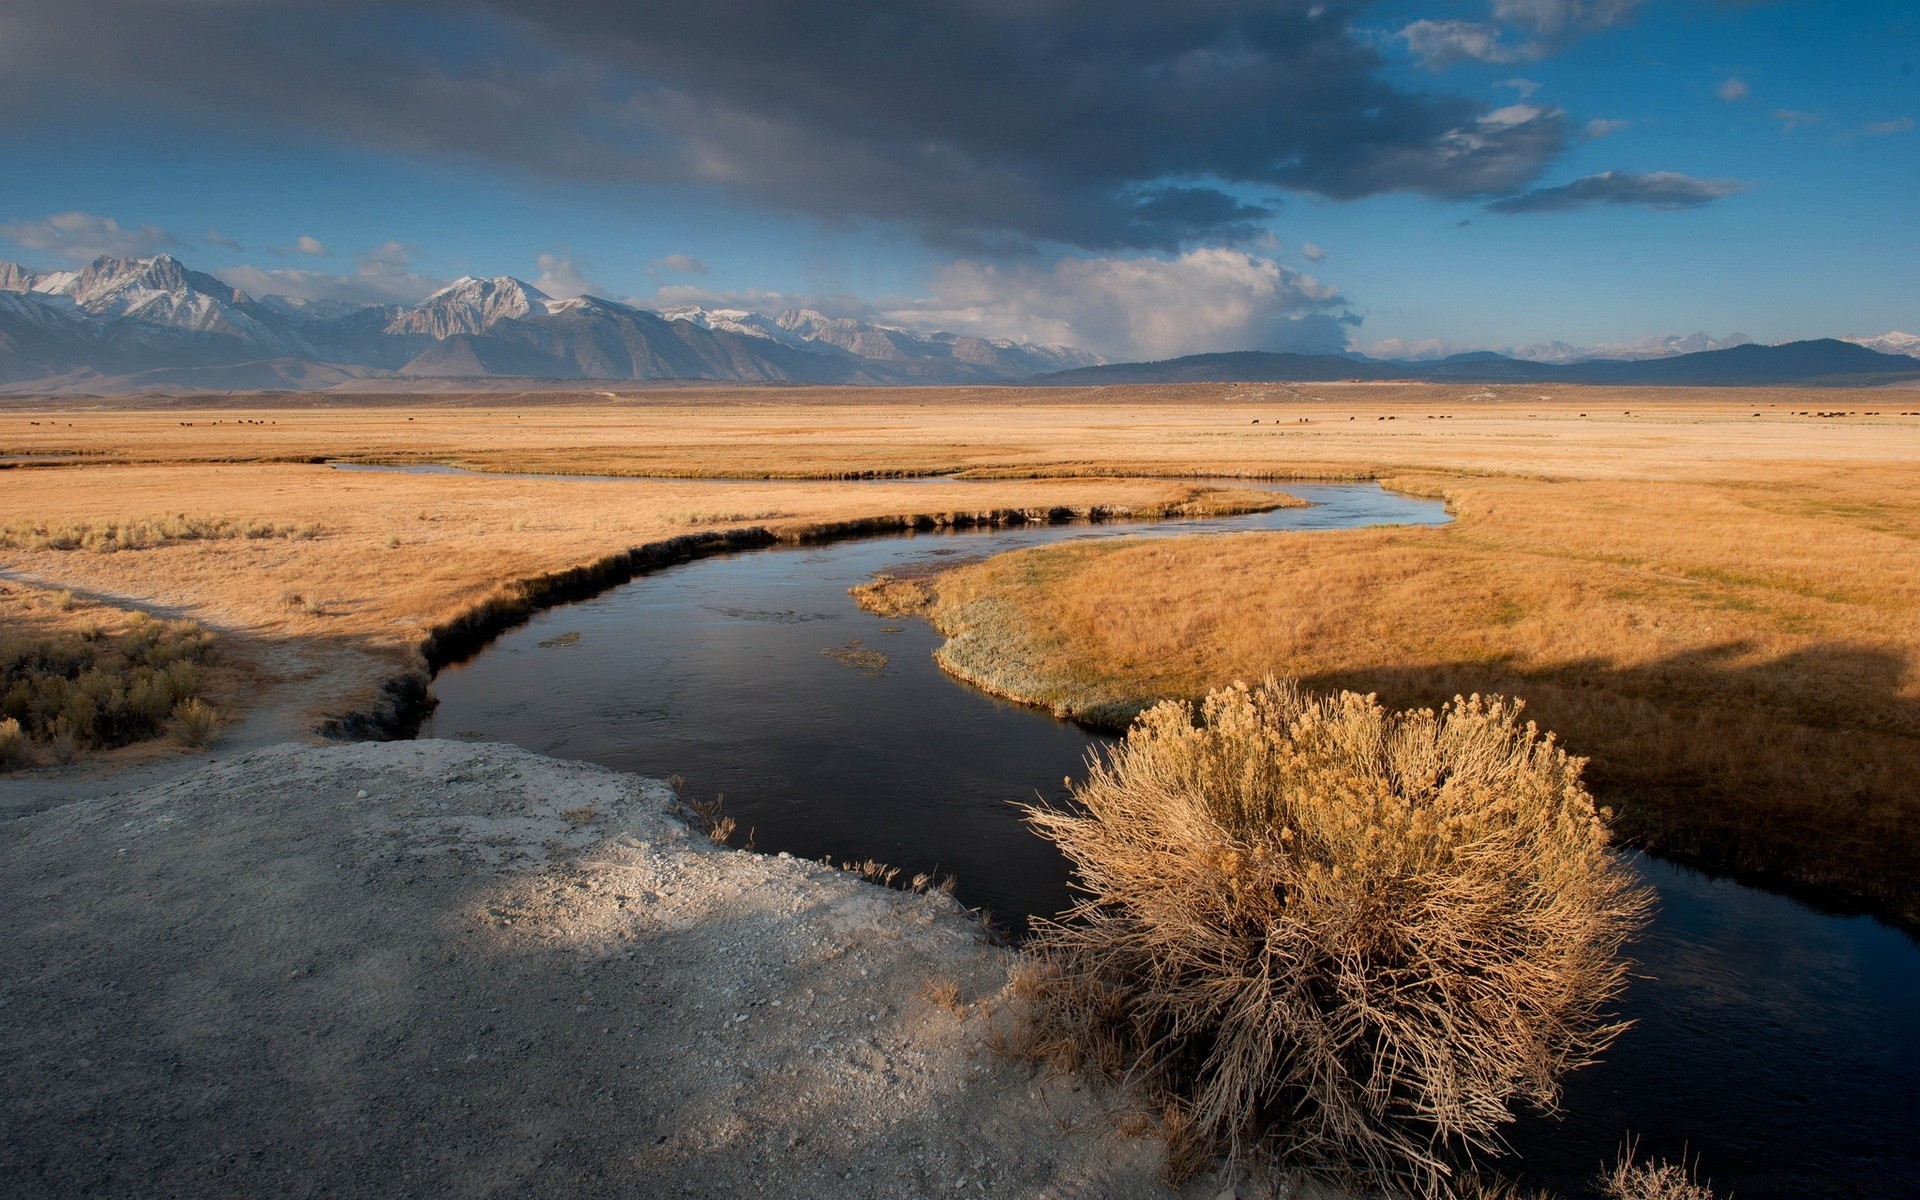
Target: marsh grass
<point>108,537</point>
<point>1740,663</point>
<point>1321,934</point>
<point>69,691</point>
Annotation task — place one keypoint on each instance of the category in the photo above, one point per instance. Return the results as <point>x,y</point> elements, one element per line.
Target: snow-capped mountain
<point>1891,342</point>
<point>1670,345</point>
<point>140,319</point>
<point>469,305</point>
<point>904,353</point>
<point>120,314</point>
<point>735,320</point>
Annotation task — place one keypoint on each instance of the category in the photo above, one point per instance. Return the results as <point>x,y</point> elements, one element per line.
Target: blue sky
<point>1113,175</point>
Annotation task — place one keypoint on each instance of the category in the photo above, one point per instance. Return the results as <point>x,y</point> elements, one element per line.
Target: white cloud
<point>214,237</point>
<point>381,276</point>
<point>80,236</point>
<point>1606,127</point>
<point>1791,119</point>
<point>1560,18</point>
<point>562,280</point>
<point>1442,44</point>
<point>1731,90</point>
<point>302,245</point>
<point>1414,351</point>
<point>1526,87</point>
<point>1882,128</point>
<point>681,264</point>
<point>1312,253</point>
<point>1204,300</point>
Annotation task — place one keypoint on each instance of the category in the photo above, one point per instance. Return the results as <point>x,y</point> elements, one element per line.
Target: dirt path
<point>448,969</point>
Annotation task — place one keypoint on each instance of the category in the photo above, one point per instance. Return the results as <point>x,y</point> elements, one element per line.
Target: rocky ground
<point>446,969</point>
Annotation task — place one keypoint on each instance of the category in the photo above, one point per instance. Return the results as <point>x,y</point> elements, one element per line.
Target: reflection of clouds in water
<point>1725,946</point>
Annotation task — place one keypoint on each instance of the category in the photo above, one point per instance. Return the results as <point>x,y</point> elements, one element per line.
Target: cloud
<point>1563,18</point>
<point>1525,87</point>
<point>1114,125</point>
<point>381,276</point>
<point>1151,307</point>
<point>302,245</point>
<point>80,237</point>
<point>1731,90</point>
<point>213,237</point>
<point>1656,189</point>
<point>1606,127</point>
<point>1792,119</point>
<point>1415,351</point>
<point>1312,253</point>
<point>1883,128</point>
<point>681,264</point>
<point>1442,44</point>
<point>562,280</point>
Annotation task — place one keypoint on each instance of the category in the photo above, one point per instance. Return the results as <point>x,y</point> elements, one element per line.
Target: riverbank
<point>1734,657</point>
<point>452,969</point>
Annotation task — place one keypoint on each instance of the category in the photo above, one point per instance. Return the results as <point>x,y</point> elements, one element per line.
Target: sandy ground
<point>447,969</point>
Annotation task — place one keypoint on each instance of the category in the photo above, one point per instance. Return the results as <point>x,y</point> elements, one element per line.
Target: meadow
<point>1714,595</point>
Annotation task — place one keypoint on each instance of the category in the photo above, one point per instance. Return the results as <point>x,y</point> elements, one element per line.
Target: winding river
<point>1777,1044</point>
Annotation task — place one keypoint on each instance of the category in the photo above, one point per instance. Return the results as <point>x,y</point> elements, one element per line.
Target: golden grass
<point>1718,607</point>
<point>1739,657</point>
<point>1325,934</point>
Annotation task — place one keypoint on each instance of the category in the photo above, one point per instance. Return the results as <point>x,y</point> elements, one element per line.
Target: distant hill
<point>1821,362</point>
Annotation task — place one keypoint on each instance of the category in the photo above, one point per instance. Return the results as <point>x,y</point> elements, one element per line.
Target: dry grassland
<point>1721,608</point>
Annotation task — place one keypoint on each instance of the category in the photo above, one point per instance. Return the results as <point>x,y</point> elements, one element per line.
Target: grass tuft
<point>194,723</point>
<point>1324,934</point>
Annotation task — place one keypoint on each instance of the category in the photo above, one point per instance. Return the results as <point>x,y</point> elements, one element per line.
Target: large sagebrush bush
<point>1325,935</point>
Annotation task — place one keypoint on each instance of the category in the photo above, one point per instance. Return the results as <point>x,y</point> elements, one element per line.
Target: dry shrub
<point>943,993</point>
<point>95,689</point>
<point>1656,1180</point>
<point>194,723</point>
<point>15,750</point>
<point>713,818</point>
<point>1321,933</point>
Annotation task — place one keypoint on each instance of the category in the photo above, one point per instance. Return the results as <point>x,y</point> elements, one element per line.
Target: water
<point>1776,1043</point>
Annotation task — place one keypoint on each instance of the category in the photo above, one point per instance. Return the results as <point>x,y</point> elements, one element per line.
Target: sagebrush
<point>1327,935</point>
<point>92,689</point>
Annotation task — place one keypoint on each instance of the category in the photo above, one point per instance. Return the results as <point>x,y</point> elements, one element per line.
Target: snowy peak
<point>734,320</point>
<point>16,278</point>
<point>114,286</point>
<point>1891,342</point>
<point>469,305</point>
<point>1645,349</point>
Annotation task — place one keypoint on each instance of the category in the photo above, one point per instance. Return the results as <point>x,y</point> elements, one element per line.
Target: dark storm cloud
<point>1112,124</point>
<point>1657,189</point>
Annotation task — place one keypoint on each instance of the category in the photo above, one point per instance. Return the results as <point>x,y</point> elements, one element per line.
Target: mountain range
<point>128,324</point>
<point>1825,362</point>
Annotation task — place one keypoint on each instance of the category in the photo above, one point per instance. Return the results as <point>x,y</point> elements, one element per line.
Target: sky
<point>1137,178</point>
